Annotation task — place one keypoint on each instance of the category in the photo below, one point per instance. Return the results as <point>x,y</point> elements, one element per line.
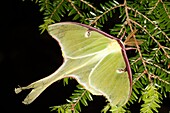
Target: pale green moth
<point>97,60</point>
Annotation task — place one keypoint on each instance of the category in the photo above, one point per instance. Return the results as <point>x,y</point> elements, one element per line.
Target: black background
<point>26,56</point>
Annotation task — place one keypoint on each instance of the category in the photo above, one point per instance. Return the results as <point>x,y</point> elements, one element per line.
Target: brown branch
<point>88,4</point>
<point>121,30</point>
<point>150,22</point>
<point>138,48</point>
<point>73,105</point>
<point>168,72</point>
<point>75,7</point>
<point>165,9</point>
<point>154,6</point>
<point>141,75</point>
<point>56,9</point>
<point>156,52</point>
<point>136,60</point>
<point>157,77</point>
<point>98,17</point>
<point>162,47</point>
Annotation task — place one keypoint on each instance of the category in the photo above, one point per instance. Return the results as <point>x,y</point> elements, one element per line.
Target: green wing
<point>111,79</point>
<point>75,41</point>
<point>94,60</point>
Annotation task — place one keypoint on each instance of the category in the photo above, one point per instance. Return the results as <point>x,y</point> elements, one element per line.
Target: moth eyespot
<point>120,70</point>
<point>87,34</point>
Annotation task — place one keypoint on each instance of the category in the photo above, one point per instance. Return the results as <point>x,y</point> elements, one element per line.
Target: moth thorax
<point>114,46</point>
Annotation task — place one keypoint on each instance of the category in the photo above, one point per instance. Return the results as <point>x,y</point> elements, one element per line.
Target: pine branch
<point>151,98</point>
<point>107,10</point>
<point>113,109</point>
<point>78,98</point>
<point>88,4</point>
<point>156,26</point>
<point>74,8</point>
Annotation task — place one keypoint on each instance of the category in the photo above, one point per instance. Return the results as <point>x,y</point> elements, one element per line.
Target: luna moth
<point>97,60</point>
